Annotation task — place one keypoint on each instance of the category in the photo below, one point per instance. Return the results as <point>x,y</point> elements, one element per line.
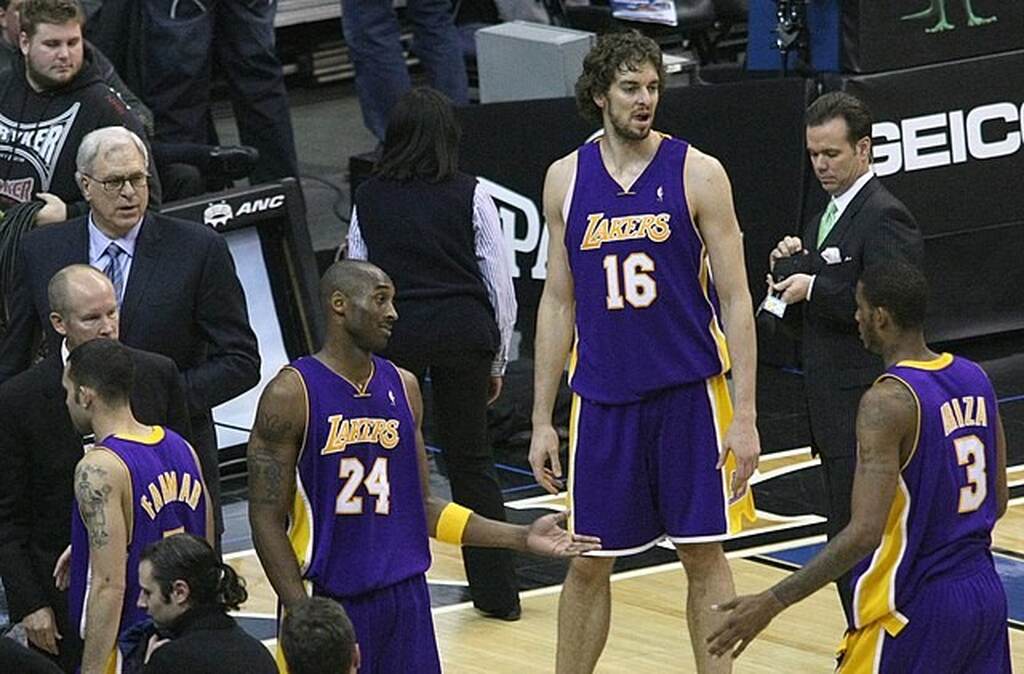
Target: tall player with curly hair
<point>638,221</point>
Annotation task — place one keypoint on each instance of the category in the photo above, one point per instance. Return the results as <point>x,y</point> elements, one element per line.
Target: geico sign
<point>945,138</point>
<point>522,227</point>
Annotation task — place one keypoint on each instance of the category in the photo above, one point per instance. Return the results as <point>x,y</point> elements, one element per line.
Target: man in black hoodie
<point>48,107</point>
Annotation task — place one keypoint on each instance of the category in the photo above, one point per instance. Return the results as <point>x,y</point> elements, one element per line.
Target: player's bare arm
<point>273,451</point>
<point>1002,489</point>
<point>710,196</point>
<point>886,425</point>
<point>555,321</point>
<point>101,491</point>
<point>545,536</point>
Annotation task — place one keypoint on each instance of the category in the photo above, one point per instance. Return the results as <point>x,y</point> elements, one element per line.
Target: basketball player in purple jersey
<point>929,487</point>
<point>339,500</point>
<point>137,484</point>
<point>638,221</point>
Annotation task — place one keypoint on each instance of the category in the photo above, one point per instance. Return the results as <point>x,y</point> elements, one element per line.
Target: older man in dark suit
<point>174,281</point>
<point>39,449</point>
<point>862,225</point>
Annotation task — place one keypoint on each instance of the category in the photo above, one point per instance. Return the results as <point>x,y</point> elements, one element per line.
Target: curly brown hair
<point>613,52</point>
<point>57,12</point>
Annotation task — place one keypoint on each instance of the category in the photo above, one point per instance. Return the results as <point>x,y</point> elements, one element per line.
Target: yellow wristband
<point>452,523</point>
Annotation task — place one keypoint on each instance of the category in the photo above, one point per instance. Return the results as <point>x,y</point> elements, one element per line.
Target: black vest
<point>422,235</point>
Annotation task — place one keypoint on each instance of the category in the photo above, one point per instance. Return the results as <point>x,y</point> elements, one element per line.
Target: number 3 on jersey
<point>970,452</point>
<point>353,472</point>
<point>637,286</point>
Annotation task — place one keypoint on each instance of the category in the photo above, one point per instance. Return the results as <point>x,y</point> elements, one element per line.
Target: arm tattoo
<point>266,476</point>
<point>274,428</point>
<point>838,557</point>
<point>92,491</point>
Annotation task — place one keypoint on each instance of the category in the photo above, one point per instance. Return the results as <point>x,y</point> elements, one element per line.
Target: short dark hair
<point>317,637</point>
<point>349,276</point>
<point>839,104</point>
<point>900,288</point>
<point>422,138</point>
<point>612,53</point>
<point>191,559</point>
<point>104,365</point>
<point>57,12</point>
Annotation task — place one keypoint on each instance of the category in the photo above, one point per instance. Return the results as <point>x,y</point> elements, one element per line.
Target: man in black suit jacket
<point>863,225</point>
<point>175,284</point>
<point>39,449</point>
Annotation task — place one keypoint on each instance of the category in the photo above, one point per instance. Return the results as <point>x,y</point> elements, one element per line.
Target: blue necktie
<point>114,271</point>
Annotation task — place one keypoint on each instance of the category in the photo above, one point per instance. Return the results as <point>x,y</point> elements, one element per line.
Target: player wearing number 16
<point>929,486</point>
<point>338,492</point>
<point>638,221</point>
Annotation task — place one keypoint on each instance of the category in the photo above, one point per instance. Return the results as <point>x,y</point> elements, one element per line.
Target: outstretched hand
<point>546,536</point>
<point>747,616</point>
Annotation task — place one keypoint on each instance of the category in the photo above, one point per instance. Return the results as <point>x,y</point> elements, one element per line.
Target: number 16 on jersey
<point>636,287</point>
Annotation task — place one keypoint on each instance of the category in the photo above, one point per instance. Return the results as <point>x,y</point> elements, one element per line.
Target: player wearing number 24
<point>339,496</point>
<point>929,486</point>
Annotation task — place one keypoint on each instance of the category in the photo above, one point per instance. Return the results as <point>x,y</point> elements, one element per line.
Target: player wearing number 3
<point>338,489</point>
<point>929,486</point>
<point>638,221</point>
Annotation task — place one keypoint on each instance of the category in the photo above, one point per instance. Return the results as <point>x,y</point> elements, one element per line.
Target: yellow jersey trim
<point>874,597</point>
<point>574,436</point>
<point>941,362</point>
<point>300,521</point>
<point>155,436</point>
<point>917,404</point>
<point>741,510</point>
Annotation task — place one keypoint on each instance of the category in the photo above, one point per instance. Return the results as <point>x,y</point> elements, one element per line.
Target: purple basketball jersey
<point>646,314</point>
<point>168,497</point>
<point>942,515</point>
<point>358,522</point>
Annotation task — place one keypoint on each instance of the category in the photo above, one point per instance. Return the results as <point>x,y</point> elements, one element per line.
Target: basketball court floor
<point>648,631</point>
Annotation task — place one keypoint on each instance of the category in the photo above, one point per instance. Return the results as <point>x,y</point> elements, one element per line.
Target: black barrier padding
<point>970,206</point>
<point>755,128</point>
<point>876,37</point>
<point>976,280</point>
<point>967,192</point>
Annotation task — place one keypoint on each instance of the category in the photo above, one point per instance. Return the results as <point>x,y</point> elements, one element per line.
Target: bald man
<point>39,449</point>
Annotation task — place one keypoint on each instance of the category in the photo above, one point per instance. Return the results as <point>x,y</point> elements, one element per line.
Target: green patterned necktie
<point>828,221</point>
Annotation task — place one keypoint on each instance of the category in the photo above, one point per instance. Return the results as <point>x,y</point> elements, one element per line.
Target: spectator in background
<point>373,38</point>
<point>185,169</point>
<point>436,233</point>
<point>188,591</point>
<point>317,638</point>
<point>39,449</point>
<point>58,93</point>
<point>182,40</point>
<point>175,285</point>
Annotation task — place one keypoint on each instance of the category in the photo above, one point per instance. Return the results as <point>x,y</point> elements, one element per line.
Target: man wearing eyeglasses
<point>174,282</point>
